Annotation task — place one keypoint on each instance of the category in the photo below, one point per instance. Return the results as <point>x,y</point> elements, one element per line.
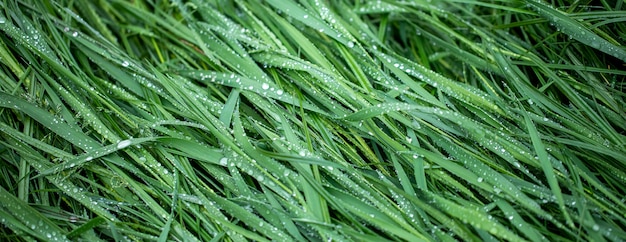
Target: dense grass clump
<point>291,120</point>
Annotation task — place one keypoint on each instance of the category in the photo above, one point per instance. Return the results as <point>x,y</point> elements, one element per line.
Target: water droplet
<point>279,92</point>
<point>125,64</point>
<point>350,44</point>
<point>306,16</point>
<point>224,161</point>
<point>89,158</point>
<point>265,86</point>
<point>480,179</point>
<point>3,20</point>
<point>123,144</point>
<point>596,227</point>
<point>75,34</point>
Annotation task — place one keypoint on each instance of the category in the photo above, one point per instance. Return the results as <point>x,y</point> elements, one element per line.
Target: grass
<point>305,120</point>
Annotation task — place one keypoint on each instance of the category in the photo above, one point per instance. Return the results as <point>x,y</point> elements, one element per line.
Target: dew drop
<point>265,86</point>
<point>350,44</point>
<point>125,64</point>
<point>3,20</point>
<point>89,158</point>
<point>123,144</point>
<point>75,34</point>
<point>279,92</point>
<point>497,190</point>
<point>480,179</point>
<point>224,161</point>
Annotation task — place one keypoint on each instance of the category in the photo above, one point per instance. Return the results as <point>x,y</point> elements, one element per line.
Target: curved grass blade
<point>547,168</point>
<point>92,223</point>
<point>311,19</point>
<point>577,30</point>
<point>474,217</point>
<point>60,127</point>
<point>30,221</point>
<point>94,154</point>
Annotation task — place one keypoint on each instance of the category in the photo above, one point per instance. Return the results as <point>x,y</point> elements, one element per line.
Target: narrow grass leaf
<point>89,225</point>
<point>61,128</point>
<point>576,30</point>
<point>473,217</point>
<point>547,168</point>
<point>34,223</point>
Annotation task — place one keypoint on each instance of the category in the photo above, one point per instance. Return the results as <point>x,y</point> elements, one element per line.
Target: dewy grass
<point>312,120</point>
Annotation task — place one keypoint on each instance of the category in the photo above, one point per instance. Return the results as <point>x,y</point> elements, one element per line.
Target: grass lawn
<point>311,120</point>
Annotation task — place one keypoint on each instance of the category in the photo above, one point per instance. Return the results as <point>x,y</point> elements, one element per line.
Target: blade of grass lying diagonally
<point>294,10</point>
<point>463,93</point>
<point>547,167</point>
<point>94,154</point>
<point>67,131</point>
<point>576,30</point>
<point>244,83</point>
<point>473,217</point>
<point>28,220</point>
